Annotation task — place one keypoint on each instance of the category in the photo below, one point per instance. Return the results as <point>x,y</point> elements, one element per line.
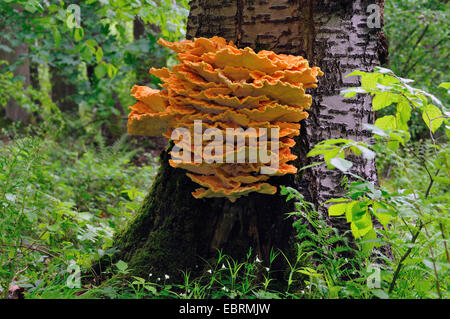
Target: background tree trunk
<point>13,110</point>
<point>172,229</point>
<point>63,90</point>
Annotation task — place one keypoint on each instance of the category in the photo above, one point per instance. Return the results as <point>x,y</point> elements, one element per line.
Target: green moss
<point>173,231</point>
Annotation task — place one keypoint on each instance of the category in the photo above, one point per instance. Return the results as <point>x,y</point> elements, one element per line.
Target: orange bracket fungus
<point>217,95</point>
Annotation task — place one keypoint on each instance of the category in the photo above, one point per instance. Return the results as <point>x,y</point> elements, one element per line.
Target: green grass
<point>62,200</point>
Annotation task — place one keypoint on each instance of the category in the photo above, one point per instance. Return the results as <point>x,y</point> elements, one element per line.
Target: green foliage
<point>29,98</point>
<point>411,216</point>
<point>62,202</point>
<point>390,90</point>
<point>91,45</point>
<point>64,193</point>
<point>417,31</point>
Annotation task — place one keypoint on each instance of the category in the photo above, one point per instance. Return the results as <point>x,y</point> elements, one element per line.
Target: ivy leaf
<point>429,116</point>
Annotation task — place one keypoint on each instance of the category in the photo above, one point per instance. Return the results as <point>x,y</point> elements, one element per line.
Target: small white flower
<point>210,271</point>
<point>224,289</point>
<point>150,274</point>
<point>258,260</point>
<point>158,279</point>
<point>166,276</point>
<point>223,266</point>
<point>302,291</point>
<point>267,269</point>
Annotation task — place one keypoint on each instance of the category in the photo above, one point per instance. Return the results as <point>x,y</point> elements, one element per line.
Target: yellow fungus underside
<point>226,87</point>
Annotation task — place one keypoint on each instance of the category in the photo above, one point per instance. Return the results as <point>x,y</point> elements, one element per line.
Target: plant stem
<point>400,264</point>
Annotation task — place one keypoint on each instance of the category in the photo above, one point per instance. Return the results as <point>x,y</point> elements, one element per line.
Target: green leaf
<point>310,165</point>
<point>383,99</point>
<point>382,70</point>
<point>78,34</point>
<point>362,225</point>
<point>112,70</point>
<point>369,80</point>
<point>349,211</point>
<point>330,154</point>
<point>403,114</point>
<point>121,265</point>
<point>375,130</point>
<point>445,85</point>
<point>87,52</point>
<point>382,214</point>
<point>56,37</point>
<point>355,73</point>
<point>369,241</point>
<point>363,222</point>
<point>337,209</point>
<point>367,153</point>
<point>99,54</point>
<point>387,122</point>
<point>429,116</point>
<point>100,70</point>
<point>341,164</point>
<point>351,92</point>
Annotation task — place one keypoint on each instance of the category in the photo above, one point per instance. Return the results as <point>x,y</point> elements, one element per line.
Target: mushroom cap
<point>227,88</point>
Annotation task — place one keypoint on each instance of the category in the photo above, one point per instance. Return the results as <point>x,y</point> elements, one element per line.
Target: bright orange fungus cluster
<point>226,87</point>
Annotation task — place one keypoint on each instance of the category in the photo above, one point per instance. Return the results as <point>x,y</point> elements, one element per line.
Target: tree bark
<point>173,231</point>
<point>63,90</point>
<point>13,110</point>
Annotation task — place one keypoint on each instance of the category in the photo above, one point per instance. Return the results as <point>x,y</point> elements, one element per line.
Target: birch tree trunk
<point>173,230</point>
<point>13,110</point>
